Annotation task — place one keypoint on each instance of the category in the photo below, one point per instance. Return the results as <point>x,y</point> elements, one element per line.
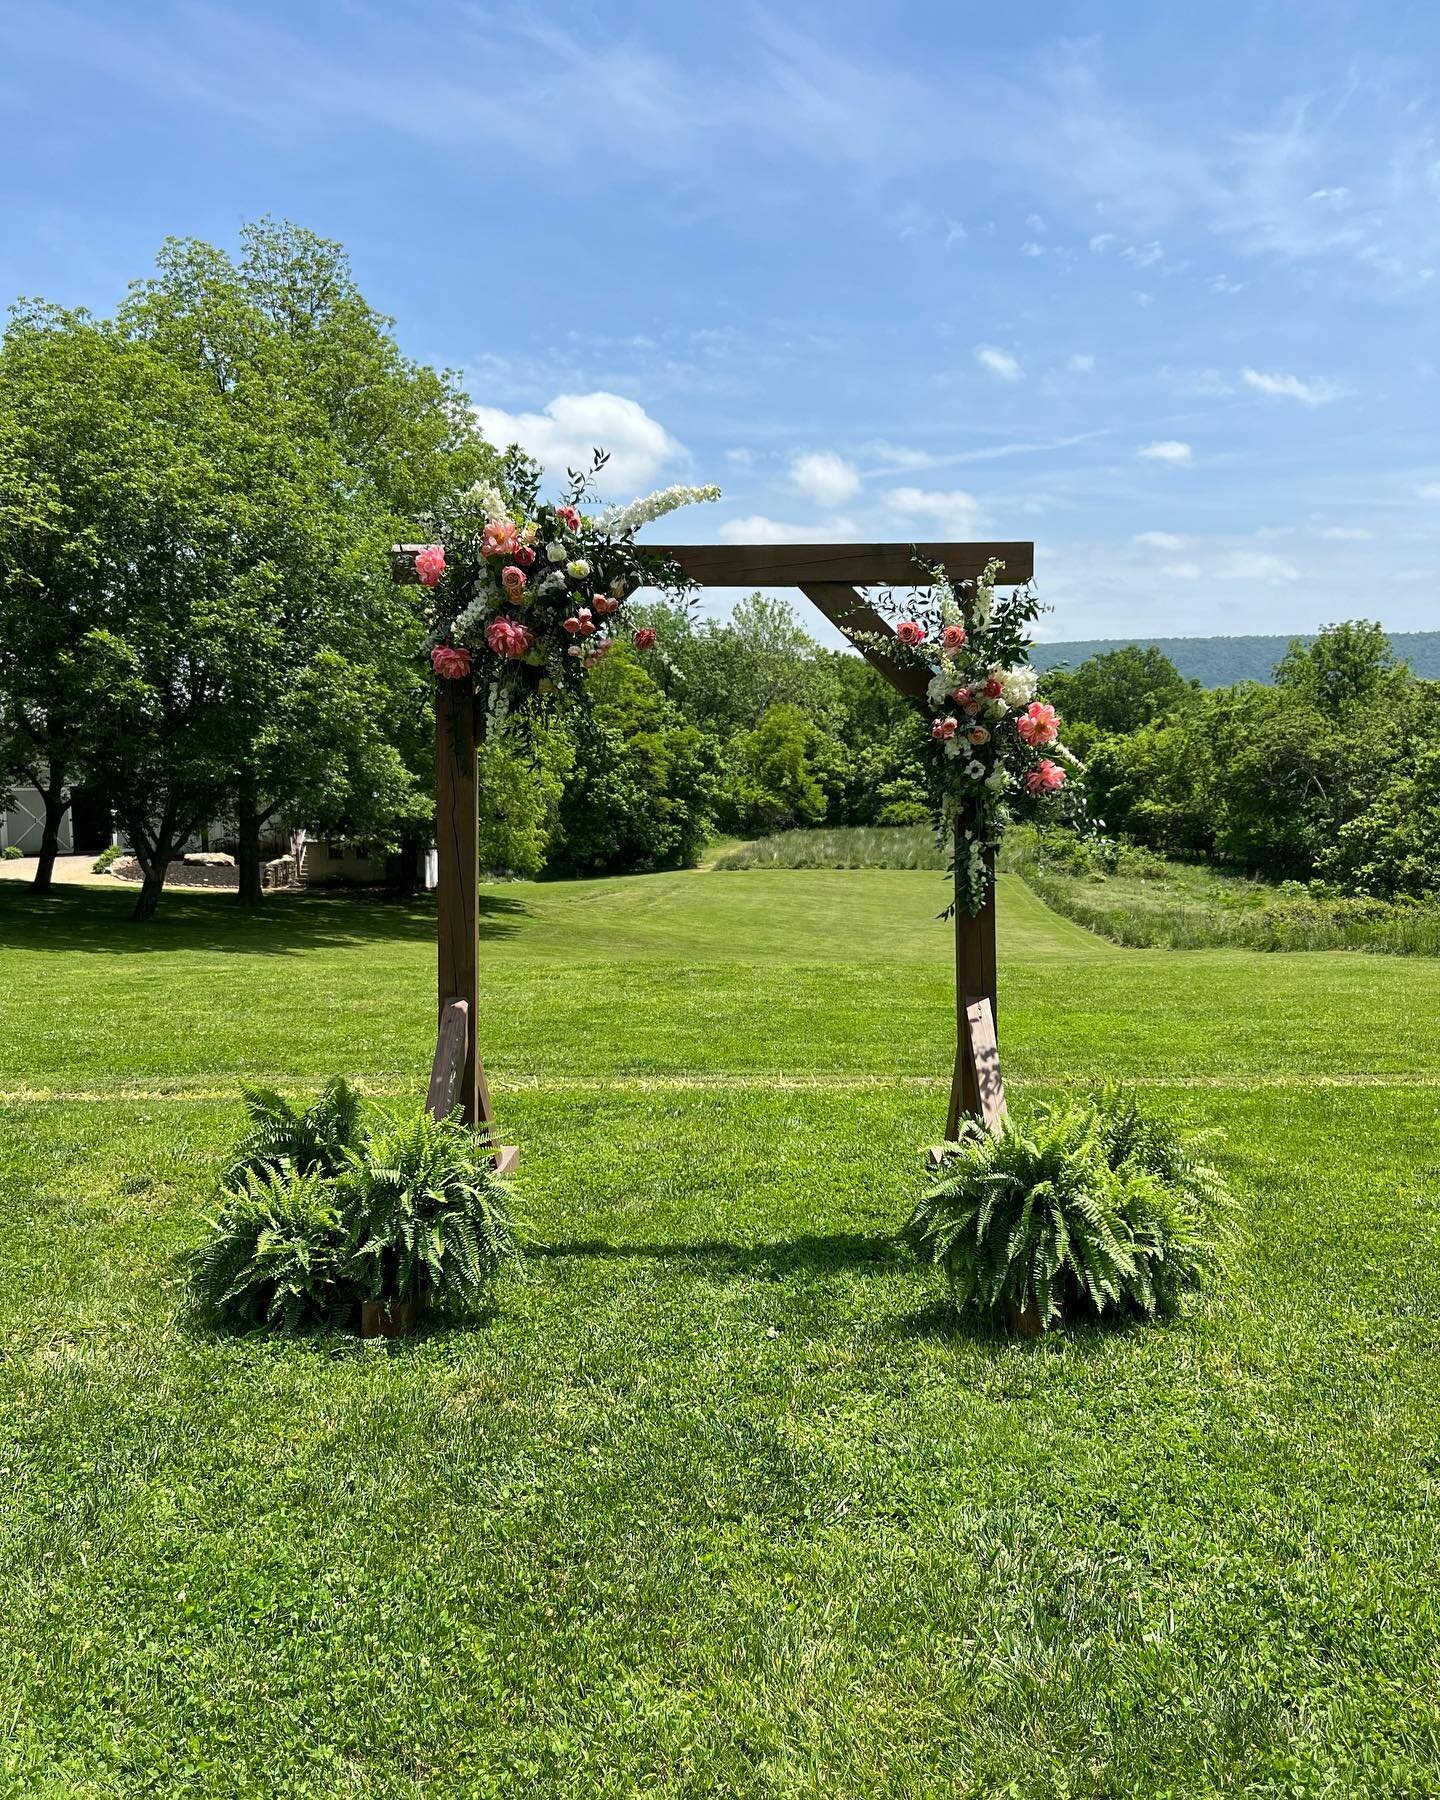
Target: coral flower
<point>644,638</point>
<point>524,554</point>
<point>978,735</point>
<point>994,688</point>
<point>508,637</point>
<point>963,696</point>
<point>944,728</point>
<point>499,538</point>
<point>909,631</point>
<point>953,637</point>
<point>1038,724</point>
<point>450,662</point>
<point>429,565</point>
<point>1045,777</point>
<point>604,605</point>
<point>512,580</point>
<point>568,517</point>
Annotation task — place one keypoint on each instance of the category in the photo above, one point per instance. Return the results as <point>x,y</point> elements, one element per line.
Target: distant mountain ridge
<point>1222,661</point>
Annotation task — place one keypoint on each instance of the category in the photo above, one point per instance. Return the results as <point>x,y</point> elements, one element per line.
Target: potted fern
<point>320,1217</point>
<point>1088,1210</point>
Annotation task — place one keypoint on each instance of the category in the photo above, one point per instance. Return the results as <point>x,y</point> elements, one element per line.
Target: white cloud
<point>1255,565</point>
<point>1160,540</point>
<point>1428,490</point>
<point>823,477</point>
<point>1337,196</point>
<point>1222,284</point>
<point>1290,387</point>
<point>740,456</point>
<point>564,435</point>
<point>1081,364</point>
<point>1182,571</point>
<point>1167,450</point>
<point>1346,534</point>
<point>758,529</point>
<point>1102,241</point>
<point>1032,249</point>
<point>1142,256</point>
<point>953,509</point>
<point>895,459</point>
<point>999,362</point>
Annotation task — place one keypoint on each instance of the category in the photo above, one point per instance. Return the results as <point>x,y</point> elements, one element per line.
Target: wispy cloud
<point>1000,363</point>
<point>1160,540</point>
<point>824,477</point>
<point>1314,392</point>
<point>1166,450</point>
<point>952,509</point>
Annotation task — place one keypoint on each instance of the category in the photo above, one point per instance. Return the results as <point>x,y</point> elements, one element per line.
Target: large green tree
<point>1120,690</point>
<point>328,729</point>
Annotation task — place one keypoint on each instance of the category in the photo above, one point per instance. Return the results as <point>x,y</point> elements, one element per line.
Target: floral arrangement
<point>529,596</point>
<point>993,745</point>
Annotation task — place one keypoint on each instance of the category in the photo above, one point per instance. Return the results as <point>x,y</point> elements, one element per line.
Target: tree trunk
<point>403,868</point>
<point>56,804</point>
<point>248,821</point>
<point>149,898</point>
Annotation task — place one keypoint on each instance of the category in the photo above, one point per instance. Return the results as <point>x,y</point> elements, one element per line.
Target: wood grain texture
<point>450,1050</point>
<point>852,613</point>
<point>457,900</point>
<point>975,980</point>
<point>793,565</point>
<point>985,1063</point>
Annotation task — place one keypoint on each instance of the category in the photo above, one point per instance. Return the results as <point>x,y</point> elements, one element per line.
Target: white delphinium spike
<point>617,520</point>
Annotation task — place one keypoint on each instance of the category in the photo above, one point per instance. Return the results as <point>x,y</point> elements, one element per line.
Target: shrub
<point>429,1218</point>
<point>12,853</point>
<point>110,855</point>
<point>1090,1209</point>
<point>277,1253</point>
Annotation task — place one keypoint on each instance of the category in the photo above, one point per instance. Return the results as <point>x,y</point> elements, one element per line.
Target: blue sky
<point>1155,286</point>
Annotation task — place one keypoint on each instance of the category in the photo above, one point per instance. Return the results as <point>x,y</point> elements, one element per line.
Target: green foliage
<point>12,853</point>
<point>1392,847</point>
<point>643,787</point>
<point>1119,690</point>
<point>1089,1209</point>
<point>317,1139</point>
<point>779,773</point>
<point>276,1255</point>
<point>107,858</point>
<point>427,1215</point>
<point>522,776</point>
<point>1215,662</point>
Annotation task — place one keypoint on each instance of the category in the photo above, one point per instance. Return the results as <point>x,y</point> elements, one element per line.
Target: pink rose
<point>1038,724</point>
<point>499,538</point>
<point>994,688</point>
<point>508,637</point>
<point>644,638</point>
<point>910,632</point>
<point>944,729</point>
<point>450,662</point>
<point>978,735</point>
<point>1045,777</point>
<point>953,636</point>
<point>963,696</point>
<point>587,624</point>
<point>605,605</point>
<point>429,565</point>
<point>572,625</point>
<point>512,580</point>
<point>524,555</point>
<point>568,517</point>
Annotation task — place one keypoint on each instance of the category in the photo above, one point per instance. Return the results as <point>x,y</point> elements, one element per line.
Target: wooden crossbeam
<point>851,613</point>
<point>794,565</point>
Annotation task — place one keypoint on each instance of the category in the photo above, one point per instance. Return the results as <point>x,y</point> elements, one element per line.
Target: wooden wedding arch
<point>829,576</point>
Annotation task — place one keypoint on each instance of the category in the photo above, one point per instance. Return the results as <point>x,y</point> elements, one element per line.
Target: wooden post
<point>974,980</point>
<point>457,900</point>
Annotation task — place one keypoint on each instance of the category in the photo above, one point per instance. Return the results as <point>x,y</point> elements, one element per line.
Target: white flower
<point>552,583</point>
<point>490,500</point>
<point>1019,684</point>
<point>997,780</point>
<point>938,691</point>
<point>619,587</point>
<point>556,552</point>
<point>975,771</point>
<point>953,746</point>
<point>615,521</point>
<point>578,569</point>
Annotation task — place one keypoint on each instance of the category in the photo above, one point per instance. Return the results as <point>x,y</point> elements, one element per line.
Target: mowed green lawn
<point>716,1501</point>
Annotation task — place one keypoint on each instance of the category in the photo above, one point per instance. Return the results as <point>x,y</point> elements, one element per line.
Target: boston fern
<point>277,1253</point>
<point>318,1138</point>
<point>1089,1209</point>
<point>428,1216</point>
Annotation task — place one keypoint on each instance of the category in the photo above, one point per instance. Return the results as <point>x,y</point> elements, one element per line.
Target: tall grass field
<point>716,1498</point>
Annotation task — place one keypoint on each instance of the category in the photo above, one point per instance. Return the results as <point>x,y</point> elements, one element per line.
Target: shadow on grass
<point>940,1319</point>
<point>869,1254</point>
<point>98,921</point>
